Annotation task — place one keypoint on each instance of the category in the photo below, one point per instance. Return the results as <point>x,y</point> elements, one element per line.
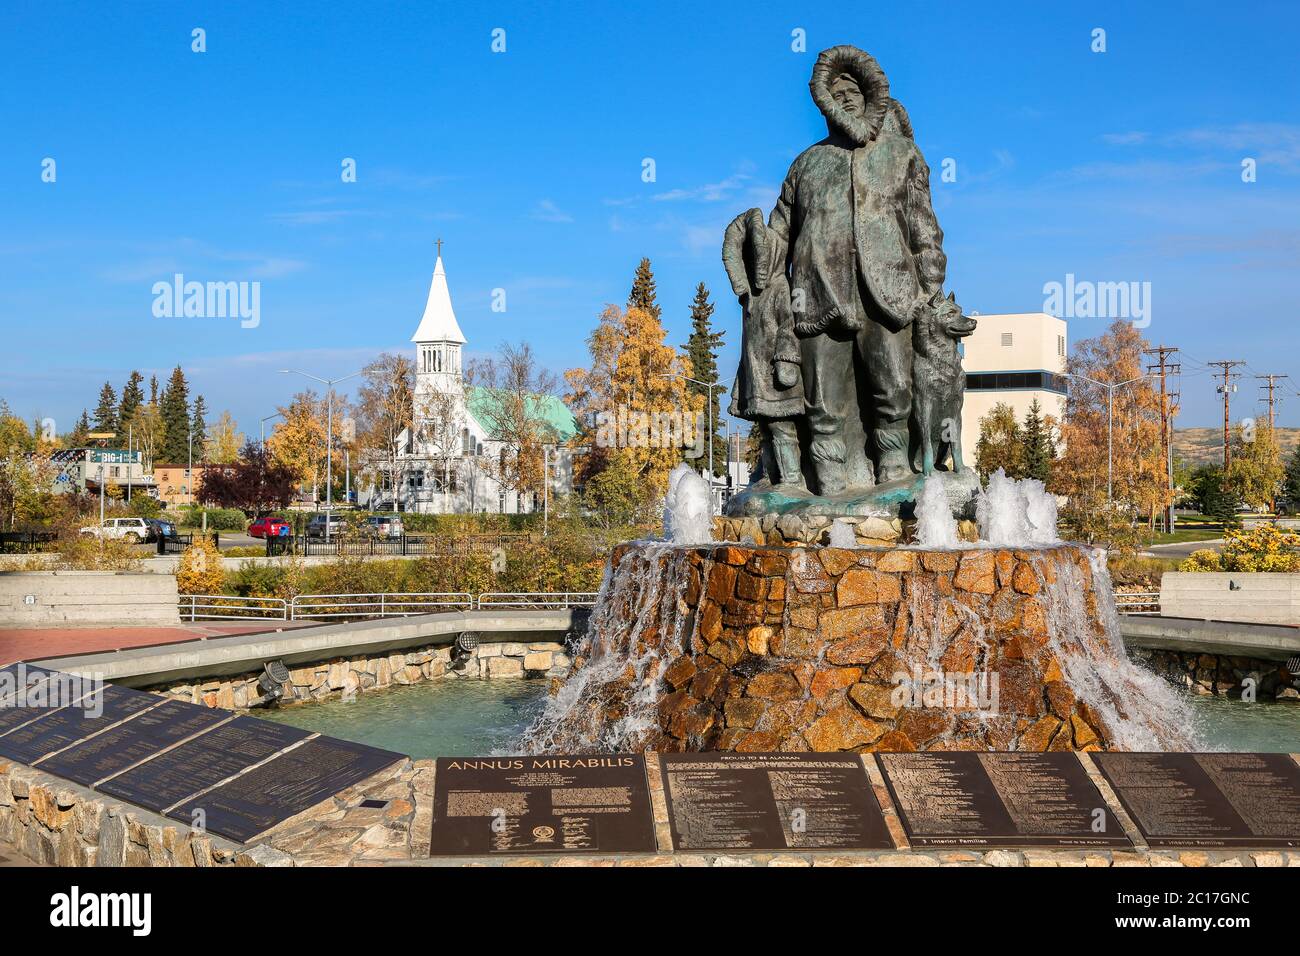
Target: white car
<point>125,529</point>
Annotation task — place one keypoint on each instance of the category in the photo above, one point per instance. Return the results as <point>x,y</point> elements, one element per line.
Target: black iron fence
<point>177,543</point>
<point>353,545</point>
<point>27,542</point>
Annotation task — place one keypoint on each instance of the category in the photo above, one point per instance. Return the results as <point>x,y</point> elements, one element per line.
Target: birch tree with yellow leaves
<point>636,414</point>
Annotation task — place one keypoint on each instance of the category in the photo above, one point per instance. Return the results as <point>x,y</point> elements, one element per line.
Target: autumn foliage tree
<point>1081,472</point>
<point>255,483</point>
<point>635,379</point>
<point>511,408</point>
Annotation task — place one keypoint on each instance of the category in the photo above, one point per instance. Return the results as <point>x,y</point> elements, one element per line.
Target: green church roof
<point>481,402</point>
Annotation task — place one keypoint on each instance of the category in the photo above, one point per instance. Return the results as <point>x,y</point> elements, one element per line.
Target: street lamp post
<point>1110,428</point>
<point>329,436</point>
<point>710,386</point>
<point>264,421</point>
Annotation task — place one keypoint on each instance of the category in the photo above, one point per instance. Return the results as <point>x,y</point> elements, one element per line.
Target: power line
<point>1168,409</point>
<point>1226,388</point>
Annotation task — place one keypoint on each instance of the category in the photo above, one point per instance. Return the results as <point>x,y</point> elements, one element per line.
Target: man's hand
<point>787,374</point>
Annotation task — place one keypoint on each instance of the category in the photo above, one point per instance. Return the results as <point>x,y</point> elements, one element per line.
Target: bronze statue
<point>855,237</point>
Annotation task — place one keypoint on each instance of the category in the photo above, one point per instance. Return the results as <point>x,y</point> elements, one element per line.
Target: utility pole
<point>1168,408</point>
<point>1226,388</point>
<point>1272,402</point>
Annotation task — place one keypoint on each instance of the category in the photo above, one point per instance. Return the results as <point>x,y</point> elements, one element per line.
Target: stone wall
<point>767,649</point>
<point>47,820</point>
<point>57,823</point>
<point>344,677</point>
<point>1220,675</point>
<point>793,530</point>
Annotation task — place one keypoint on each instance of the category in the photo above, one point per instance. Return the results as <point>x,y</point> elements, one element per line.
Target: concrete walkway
<point>30,643</point>
<point>1270,642</point>
<point>203,657</point>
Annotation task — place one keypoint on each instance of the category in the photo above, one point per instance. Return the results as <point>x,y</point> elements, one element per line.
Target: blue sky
<point>225,166</point>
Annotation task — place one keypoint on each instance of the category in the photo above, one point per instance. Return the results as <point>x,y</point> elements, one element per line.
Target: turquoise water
<point>479,717</point>
<point>439,719</point>
<point>1262,727</point>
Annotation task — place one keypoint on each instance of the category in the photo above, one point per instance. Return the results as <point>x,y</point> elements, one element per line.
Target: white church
<point>449,463</point>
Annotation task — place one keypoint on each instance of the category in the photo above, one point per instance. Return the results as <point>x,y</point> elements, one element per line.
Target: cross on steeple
<point>439,245</point>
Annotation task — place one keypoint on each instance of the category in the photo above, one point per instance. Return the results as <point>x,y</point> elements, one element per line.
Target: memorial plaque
<point>781,801</point>
<point>203,762</point>
<point>129,743</point>
<point>1208,800</point>
<point>594,803</point>
<point>999,800</point>
<point>17,680</point>
<point>283,787</point>
<point>77,721</point>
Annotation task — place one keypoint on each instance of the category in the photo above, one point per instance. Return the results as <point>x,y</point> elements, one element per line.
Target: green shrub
<point>219,519</point>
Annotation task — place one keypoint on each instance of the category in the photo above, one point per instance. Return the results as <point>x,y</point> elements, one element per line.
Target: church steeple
<point>438,338</point>
<point>438,324</point>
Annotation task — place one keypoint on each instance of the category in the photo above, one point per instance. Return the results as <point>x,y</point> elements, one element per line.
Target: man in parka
<point>865,257</point>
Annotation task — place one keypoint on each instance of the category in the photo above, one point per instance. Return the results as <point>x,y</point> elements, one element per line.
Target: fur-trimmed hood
<point>862,66</point>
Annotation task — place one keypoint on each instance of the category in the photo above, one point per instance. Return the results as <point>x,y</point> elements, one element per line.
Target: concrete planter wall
<point>35,598</point>
<point>1250,597</point>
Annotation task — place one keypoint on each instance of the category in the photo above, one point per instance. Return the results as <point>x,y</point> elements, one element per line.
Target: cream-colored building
<point>1012,359</point>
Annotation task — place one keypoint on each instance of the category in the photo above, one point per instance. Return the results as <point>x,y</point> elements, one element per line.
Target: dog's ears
<point>952,297</point>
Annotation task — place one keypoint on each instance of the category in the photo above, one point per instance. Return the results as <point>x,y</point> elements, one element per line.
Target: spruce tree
<point>199,428</point>
<point>1291,481</point>
<point>642,295</point>
<point>1040,449</point>
<point>106,410</point>
<point>702,348</point>
<point>81,433</point>
<point>175,409</point>
<point>153,389</point>
<point>132,399</point>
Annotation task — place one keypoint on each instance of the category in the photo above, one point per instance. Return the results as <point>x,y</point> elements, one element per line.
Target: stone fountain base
<point>752,649</point>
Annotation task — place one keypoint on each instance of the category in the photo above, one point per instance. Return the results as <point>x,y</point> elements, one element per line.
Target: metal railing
<point>178,543</point>
<point>316,607</point>
<point>537,601</point>
<point>319,607</point>
<point>214,607</point>
<point>1139,602</point>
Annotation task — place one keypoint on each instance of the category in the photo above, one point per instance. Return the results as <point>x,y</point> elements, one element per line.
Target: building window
<point>1006,340</point>
<point>1006,381</point>
<point>1060,346</point>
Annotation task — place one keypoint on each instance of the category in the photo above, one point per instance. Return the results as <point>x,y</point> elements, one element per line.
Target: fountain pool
<point>439,719</point>
<point>468,718</point>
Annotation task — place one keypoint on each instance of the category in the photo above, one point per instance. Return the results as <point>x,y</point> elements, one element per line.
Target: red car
<point>268,526</point>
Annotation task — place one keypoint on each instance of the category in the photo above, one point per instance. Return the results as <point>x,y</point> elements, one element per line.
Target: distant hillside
<point>1204,446</point>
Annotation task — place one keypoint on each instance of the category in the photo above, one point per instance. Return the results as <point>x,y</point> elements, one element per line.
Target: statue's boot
<point>828,461</point>
<point>894,463</point>
<point>788,469</point>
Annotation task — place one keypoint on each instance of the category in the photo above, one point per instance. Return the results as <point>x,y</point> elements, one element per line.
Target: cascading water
<point>608,703</point>
<point>1143,711</point>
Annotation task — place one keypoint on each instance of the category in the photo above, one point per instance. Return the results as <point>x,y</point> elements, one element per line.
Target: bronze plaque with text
<point>1208,800</point>
<point>999,800</point>
<point>778,801</point>
<point>593,803</point>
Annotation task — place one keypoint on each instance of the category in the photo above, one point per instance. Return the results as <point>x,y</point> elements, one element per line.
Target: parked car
<point>123,529</point>
<point>316,526</point>
<point>160,528</point>
<point>385,526</point>
<point>269,526</point>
